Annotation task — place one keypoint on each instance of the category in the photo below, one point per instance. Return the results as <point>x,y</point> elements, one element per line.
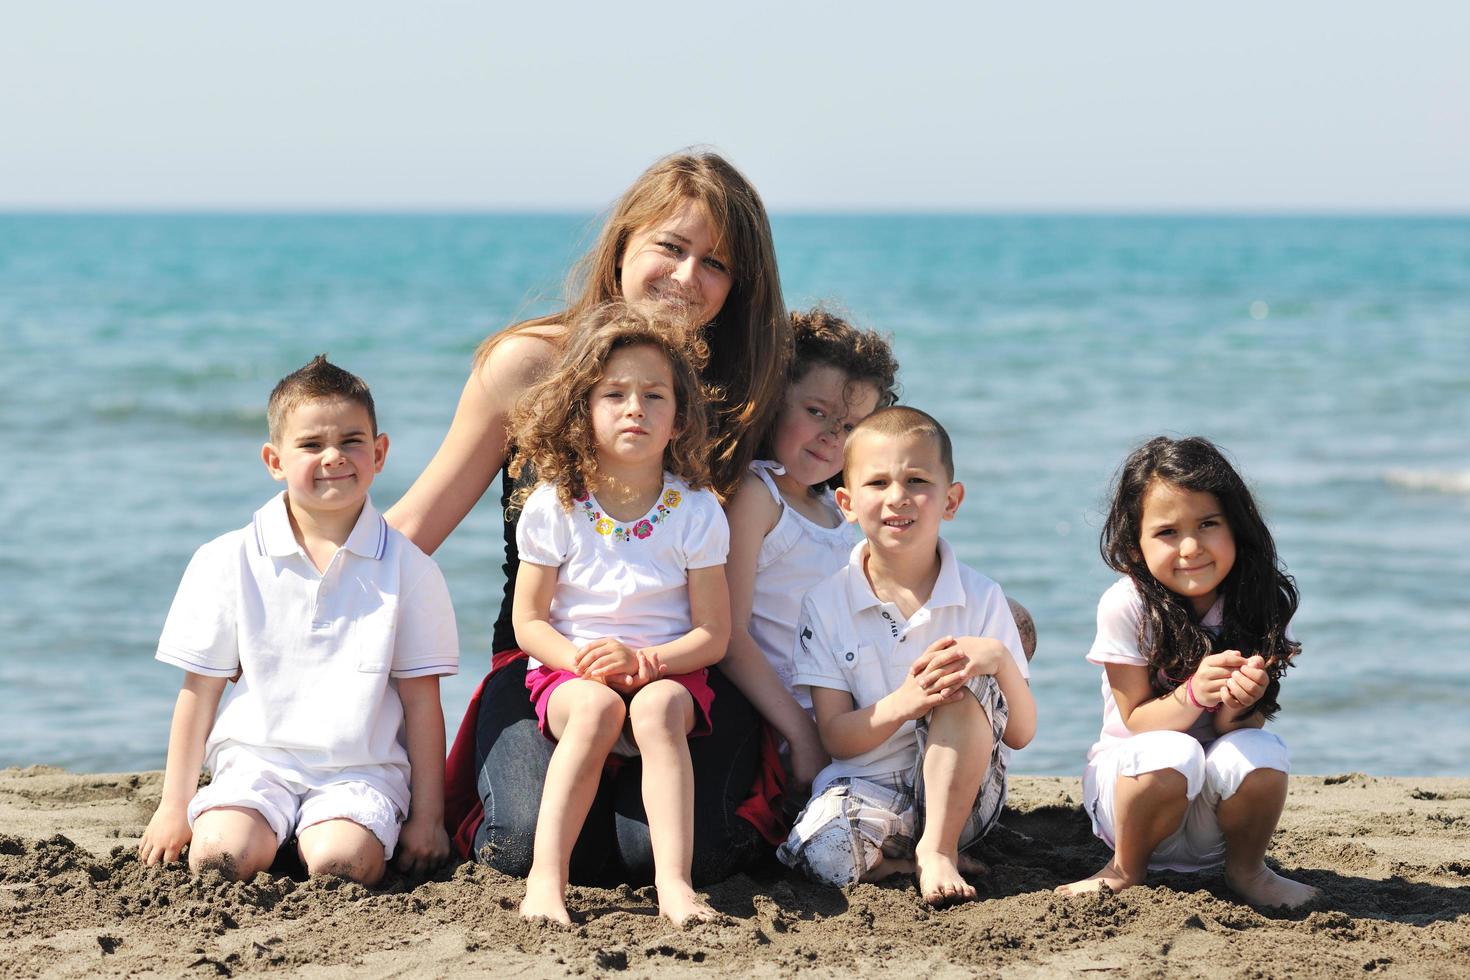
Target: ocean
<point>1329,355</point>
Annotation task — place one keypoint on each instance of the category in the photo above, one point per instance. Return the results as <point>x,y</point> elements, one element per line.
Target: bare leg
<point>1149,807</point>
<point>236,841</point>
<point>955,761</point>
<point>663,714</point>
<point>344,849</point>
<point>1248,819</point>
<point>887,867</point>
<point>585,717</point>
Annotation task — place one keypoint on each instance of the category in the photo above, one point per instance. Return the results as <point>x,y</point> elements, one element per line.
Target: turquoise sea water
<point>1331,356</point>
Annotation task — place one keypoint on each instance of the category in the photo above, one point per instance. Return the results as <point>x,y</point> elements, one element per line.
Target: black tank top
<point>504,636</point>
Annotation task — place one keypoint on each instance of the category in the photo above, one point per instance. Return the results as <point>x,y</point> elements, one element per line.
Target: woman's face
<point>673,262</point>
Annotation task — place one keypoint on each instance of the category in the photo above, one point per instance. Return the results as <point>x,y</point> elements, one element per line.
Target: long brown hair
<point>551,427</point>
<point>749,340</point>
<point>1260,598</point>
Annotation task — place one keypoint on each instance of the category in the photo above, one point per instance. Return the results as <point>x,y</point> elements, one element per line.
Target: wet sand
<point>1392,857</point>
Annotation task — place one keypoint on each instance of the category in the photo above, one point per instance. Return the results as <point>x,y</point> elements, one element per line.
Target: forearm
<point>193,717</point>
<point>1020,705</point>
<point>423,721</point>
<point>861,730</point>
<point>538,638</point>
<point>702,646</point>
<point>1170,712</point>
<point>749,670</point>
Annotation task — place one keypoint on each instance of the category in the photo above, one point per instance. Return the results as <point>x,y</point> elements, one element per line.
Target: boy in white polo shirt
<point>339,629</point>
<point>916,676</point>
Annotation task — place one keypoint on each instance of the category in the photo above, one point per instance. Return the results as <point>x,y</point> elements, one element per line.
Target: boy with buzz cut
<point>338,629</point>
<point>916,676</point>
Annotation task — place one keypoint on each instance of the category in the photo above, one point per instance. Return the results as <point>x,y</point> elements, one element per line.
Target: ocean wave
<point>1431,481</point>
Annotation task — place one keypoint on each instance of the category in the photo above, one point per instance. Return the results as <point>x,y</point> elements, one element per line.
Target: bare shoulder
<point>751,507</point>
<point>520,358</point>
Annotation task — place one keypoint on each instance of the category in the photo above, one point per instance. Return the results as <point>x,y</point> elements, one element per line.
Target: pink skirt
<point>541,681</point>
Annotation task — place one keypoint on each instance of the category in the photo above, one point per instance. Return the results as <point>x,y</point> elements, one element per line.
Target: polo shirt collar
<point>948,589</point>
<point>274,537</point>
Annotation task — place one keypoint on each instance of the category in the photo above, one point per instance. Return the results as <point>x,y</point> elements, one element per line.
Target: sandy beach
<point>1392,857</point>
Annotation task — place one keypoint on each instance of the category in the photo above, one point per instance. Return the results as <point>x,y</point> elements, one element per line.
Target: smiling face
<point>1186,542</point>
<point>817,414</point>
<point>633,408</point>
<point>327,455</point>
<point>675,262</point>
<point>898,491</point>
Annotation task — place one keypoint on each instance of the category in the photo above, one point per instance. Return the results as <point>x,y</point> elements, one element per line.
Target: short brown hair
<point>551,426</point>
<point>319,380</point>
<point>903,420</point>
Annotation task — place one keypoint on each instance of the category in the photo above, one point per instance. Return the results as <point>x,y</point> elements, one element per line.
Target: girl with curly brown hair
<point>620,600</point>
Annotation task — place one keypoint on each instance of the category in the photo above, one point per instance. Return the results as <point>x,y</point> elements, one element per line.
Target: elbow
<point>1019,739</point>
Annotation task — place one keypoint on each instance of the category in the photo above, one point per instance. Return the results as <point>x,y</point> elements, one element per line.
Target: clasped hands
<point>617,665</point>
<point>940,673</point>
<point>1230,679</point>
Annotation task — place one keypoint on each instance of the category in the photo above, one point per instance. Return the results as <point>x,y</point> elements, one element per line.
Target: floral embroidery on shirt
<point>639,530</point>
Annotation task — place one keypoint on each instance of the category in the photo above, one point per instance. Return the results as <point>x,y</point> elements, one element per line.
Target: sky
<point>854,106</point>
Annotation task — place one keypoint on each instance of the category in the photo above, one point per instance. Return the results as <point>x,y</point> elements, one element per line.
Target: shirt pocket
<point>864,675</point>
<point>373,636</point>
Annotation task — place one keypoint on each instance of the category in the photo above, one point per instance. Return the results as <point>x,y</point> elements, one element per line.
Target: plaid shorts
<point>859,820</point>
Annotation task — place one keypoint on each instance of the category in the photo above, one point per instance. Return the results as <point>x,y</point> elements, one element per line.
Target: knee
<point>1244,758</point>
<point>233,862</point>
<point>660,709</point>
<point>361,859</point>
<point>1173,758</point>
<point>596,708</point>
<point>830,857</point>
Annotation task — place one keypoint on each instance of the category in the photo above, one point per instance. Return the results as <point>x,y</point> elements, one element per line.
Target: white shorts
<point>856,822</point>
<point>290,805</point>
<point>1211,774</point>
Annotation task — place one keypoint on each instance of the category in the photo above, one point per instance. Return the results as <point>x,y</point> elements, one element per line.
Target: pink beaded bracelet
<point>1189,693</point>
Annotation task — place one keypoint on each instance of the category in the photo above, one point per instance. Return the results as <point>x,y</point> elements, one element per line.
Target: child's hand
<point>913,699</point>
<point>649,670</point>
<point>951,661</point>
<point>1212,676</point>
<point>422,846</point>
<point>608,658</point>
<point>1246,685</point>
<point>167,834</point>
<point>807,759</point>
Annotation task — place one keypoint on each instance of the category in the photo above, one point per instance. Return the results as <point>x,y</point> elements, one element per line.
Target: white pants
<point>290,804</point>
<point>1212,773</point>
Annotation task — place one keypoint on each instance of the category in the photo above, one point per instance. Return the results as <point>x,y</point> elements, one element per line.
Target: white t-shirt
<point>624,580</point>
<point>850,640</point>
<point>318,652</point>
<point>795,556</point>
<point>1119,612</point>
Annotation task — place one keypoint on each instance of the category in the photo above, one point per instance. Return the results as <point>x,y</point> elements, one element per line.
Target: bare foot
<point>972,867</point>
<point>1109,876</point>
<point>545,899</point>
<point>1264,888</point>
<point>940,880</point>
<point>887,867</point>
<point>681,904</point>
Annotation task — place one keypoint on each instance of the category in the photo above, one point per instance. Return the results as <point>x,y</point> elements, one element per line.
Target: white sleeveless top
<point>793,559</point>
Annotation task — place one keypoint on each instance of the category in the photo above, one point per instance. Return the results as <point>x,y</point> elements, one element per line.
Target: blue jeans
<point>511,756</point>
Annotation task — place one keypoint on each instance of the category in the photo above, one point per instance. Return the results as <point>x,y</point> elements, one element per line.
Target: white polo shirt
<point>850,640</point>
<point>318,651</point>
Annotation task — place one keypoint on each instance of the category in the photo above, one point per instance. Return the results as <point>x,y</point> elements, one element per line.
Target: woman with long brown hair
<point>691,235</point>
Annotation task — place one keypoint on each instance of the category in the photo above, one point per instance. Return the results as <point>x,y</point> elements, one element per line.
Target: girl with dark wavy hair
<point>1193,642</point>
